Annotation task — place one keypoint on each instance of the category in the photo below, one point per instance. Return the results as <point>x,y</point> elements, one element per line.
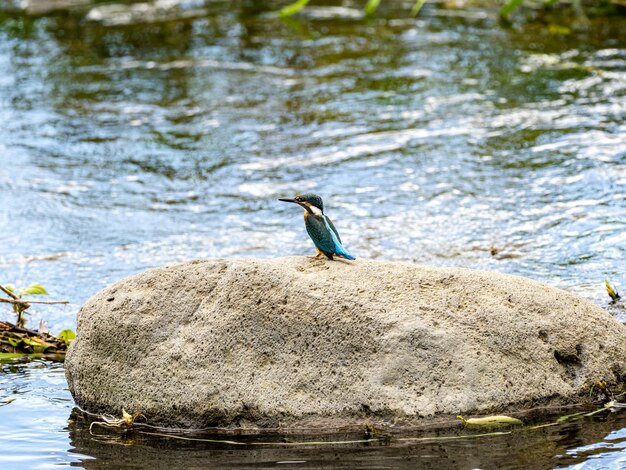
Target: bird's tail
<point>343,253</point>
<point>339,249</point>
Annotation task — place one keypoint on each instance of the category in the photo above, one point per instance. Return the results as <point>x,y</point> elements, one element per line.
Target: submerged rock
<point>296,342</point>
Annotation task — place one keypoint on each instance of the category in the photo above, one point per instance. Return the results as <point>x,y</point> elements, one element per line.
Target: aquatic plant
<point>615,297</point>
<point>16,340</point>
<point>19,305</point>
<point>369,9</point>
<point>505,12</point>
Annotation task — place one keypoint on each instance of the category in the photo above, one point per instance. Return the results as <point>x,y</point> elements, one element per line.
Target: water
<point>129,141</point>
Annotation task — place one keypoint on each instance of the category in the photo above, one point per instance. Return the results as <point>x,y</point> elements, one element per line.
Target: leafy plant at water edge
<point>509,7</point>
<point>17,304</point>
<point>293,8</point>
<point>612,291</point>
<point>125,422</point>
<point>16,340</point>
<point>369,9</point>
<point>67,336</point>
<point>20,305</point>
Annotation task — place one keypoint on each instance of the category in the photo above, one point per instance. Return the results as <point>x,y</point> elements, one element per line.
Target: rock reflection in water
<point>542,448</point>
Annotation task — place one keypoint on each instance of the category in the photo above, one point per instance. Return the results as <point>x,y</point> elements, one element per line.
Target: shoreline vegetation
<point>505,11</point>
<point>17,341</point>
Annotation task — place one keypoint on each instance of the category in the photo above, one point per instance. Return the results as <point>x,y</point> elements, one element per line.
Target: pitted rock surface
<point>296,342</point>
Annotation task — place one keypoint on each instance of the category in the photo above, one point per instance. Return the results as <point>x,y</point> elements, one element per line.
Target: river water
<point>135,136</point>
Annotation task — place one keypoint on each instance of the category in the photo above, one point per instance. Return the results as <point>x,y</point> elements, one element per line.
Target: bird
<point>319,227</point>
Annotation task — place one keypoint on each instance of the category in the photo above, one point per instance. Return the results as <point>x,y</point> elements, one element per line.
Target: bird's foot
<point>317,256</point>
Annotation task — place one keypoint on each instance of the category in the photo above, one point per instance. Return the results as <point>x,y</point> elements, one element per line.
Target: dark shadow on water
<point>547,447</point>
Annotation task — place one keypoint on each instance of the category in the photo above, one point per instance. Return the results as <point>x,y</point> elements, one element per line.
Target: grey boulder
<point>302,343</point>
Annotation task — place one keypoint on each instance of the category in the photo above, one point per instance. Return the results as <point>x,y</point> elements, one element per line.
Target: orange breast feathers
<point>306,212</point>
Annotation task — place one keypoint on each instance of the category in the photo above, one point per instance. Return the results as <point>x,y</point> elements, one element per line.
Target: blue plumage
<point>319,227</point>
<point>339,249</point>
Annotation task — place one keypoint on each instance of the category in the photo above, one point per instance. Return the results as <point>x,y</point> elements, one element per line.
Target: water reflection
<point>33,421</point>
<point>545,448</point>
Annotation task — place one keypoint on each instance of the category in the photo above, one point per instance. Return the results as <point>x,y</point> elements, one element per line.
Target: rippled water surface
<point>131,137</point>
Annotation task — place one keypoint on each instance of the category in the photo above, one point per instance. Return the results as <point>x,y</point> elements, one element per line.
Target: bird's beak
<point>286,199</point>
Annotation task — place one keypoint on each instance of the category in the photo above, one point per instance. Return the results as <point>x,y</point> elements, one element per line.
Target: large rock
<point>299,342</point>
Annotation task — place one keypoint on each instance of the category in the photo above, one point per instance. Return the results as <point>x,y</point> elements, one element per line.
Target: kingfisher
<point>319,227</point>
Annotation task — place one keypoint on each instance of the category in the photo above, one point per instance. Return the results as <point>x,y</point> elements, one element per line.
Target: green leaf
<point>67,335</point>
<point>558,29</point>
<point>509,7</point>
<point>293,8</point>
<point>371,7</point>
<point>9,287</point>
<point>8,357</point>
<point>39,346</point>
<point>611,291</point>
<point>34,289</point>
<point>417,7</point>
<point>11,358</point>
<point>14,341</point>
<point>490,421</point>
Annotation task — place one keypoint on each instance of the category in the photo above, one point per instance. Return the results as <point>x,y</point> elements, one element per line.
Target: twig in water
<point>8,292</point>
<point>110,421</point>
